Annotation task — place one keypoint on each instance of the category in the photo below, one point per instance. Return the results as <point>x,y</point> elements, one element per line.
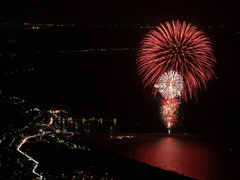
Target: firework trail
<point>169,86</point>
<point>176,60</point>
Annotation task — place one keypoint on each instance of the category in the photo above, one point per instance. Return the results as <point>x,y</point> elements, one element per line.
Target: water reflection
<point>196,157</point>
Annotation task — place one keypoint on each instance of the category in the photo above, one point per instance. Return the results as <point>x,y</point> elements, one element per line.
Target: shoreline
<point>96,160</point>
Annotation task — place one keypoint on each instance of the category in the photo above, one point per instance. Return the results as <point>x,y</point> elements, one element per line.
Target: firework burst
<point>176,60</point>
<point>170,84</point>
<point>169,106</point>
<point>180,47</point>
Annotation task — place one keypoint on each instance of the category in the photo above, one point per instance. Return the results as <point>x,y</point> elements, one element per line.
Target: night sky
<point>109,86</point>
<point>122,11</point>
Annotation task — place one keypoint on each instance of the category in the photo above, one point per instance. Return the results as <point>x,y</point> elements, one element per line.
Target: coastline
<point>100,160</point>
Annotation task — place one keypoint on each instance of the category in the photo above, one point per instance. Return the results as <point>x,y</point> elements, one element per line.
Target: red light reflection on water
<point>190,157</point>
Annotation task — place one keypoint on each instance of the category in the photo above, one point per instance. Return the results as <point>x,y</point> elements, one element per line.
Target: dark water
<point>204,157</point>
<point>160,156</point>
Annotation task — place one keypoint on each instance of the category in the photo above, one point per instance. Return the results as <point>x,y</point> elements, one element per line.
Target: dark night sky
<point>122,11</point>
<point>125,95</point>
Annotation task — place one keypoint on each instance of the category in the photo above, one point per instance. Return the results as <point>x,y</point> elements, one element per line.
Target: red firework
<point>169,105</point>
<point>169,120</point>
<point>180,47</point>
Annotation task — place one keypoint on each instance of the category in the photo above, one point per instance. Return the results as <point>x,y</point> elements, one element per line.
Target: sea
<point>146,156</point>
<point>203,157</point>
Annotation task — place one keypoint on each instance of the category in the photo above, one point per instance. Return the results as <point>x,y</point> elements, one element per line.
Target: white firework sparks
<point>170,84</point>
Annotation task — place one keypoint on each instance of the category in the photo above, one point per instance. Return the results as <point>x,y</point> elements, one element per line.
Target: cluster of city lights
<point>28,137</point>
<point>34,124</point>
<point>35,26</point>
<point>12,55</point>
<point>24,123</point>
<point>69,145</point>
<point>36,162</point>
<point>77,174</point>
<point>18,71</point>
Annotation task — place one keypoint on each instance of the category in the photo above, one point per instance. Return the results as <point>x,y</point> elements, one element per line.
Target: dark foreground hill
<point>52,159</point>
